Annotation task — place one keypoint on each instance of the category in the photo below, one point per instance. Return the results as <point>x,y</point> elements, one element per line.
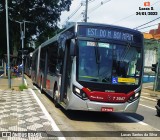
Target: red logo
<point>147,3</point>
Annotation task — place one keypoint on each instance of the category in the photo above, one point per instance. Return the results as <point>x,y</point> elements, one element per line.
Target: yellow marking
<point>127,80</point>
<point>88,89</point>
<point>89,77</point>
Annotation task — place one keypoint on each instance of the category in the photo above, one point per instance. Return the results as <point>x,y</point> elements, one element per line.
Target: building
<point>151,45</point>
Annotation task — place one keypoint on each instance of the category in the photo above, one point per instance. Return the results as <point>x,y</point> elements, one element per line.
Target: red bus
<point>92,67</point>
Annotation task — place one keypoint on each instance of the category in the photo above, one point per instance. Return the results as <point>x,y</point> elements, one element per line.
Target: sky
<point>117,12</point>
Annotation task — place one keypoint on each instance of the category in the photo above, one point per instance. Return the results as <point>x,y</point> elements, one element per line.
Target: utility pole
<point>8,51</point>
<point>86,10</point>
<point>22,32</point>
<point>22,41</point>
<point>22,38</point>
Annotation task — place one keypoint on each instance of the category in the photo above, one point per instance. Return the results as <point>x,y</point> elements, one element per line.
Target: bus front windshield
<point>108,63</point>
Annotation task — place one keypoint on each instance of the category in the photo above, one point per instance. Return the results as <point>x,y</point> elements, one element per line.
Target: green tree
<point>44,15</point>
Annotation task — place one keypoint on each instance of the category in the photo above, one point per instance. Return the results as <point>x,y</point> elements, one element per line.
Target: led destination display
<point>108,33</point>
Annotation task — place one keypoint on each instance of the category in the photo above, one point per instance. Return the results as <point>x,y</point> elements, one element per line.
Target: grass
<point>21,87</point>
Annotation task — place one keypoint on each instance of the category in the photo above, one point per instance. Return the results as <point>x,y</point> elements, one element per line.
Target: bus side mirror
<point>72,47</point>
<point>57,70</point>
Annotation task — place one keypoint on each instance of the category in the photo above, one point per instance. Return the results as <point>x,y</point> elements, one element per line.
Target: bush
<point>21,87</point>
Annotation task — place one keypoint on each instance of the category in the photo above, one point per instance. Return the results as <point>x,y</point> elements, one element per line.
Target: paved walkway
<point>20,111</point>
<point>15,83</point>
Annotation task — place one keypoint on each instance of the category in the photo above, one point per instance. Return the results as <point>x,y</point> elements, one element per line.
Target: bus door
<point>45,68</point>
<point>66,73</point>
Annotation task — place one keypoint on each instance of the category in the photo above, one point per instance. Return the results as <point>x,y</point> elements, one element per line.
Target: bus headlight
<point>134,97</point>
<point>77,90</point>
<point>79,93</point>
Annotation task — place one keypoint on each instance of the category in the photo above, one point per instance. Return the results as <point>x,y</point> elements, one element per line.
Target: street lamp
<point>22,32</point>
<point>8,51</point>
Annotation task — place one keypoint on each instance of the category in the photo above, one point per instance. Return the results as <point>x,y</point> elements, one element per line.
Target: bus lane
<point>82,122</point>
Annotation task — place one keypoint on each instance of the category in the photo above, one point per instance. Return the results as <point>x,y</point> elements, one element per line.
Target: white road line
<point>53,124</point>
<point>135,120</point>
<point>146,93</point>
<point>148,98</point>
<point>148,107</point>
<point>37,89</point>
<point>25,82</point>
<point>148,87</point>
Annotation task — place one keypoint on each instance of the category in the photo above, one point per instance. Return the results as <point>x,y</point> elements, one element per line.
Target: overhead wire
<point>94,8</point>
<point>97,6</point>
<point>77,9</point>
<point>146,23</point>
<point>82,13</point>
<point>147,26</point>
<point>91,1</point>
<point>131,14</point>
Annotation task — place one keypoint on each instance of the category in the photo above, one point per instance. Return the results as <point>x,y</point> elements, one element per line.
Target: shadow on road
<point>109,117</point>
<point>89,116</point>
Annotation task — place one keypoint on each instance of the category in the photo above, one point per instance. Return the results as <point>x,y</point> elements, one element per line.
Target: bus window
<point>102,62</point>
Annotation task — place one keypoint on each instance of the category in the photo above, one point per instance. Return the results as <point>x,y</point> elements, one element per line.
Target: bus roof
<point>102,25</point>
<point>75,24</point>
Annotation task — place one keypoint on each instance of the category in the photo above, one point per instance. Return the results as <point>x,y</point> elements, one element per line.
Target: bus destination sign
<point>106,33</point>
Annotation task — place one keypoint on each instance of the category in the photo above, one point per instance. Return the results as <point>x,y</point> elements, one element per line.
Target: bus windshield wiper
<point>97,54</point>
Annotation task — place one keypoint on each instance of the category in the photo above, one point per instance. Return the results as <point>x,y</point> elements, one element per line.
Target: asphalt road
<point>1,72</point>
<point>147,109</point>
<point>144,120</point>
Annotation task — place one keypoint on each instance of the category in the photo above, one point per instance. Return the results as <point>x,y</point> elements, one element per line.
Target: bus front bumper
<point>113,107</point>
<point>75,103</point>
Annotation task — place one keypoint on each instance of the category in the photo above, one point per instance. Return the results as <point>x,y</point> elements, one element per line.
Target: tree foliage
<point>42,14</point>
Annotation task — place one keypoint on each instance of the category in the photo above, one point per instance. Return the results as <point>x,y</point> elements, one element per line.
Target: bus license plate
<point>107,109</point>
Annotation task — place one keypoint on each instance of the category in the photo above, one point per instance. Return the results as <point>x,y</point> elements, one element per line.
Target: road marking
<point>146,93</point>
<point>53,124</point>
<point>148,98</point>
<point>37,89</point>
<point>148,107</point>
<point>148,87</point>
<point>135,120</point>
<point>25,82</point>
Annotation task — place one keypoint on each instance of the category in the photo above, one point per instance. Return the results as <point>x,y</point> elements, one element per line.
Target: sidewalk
<point>15,83</point>
<point>20,111</point>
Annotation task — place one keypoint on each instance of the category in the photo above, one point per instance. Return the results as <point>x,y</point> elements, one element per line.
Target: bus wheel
<point>158,113</point>
<point>55,99</point>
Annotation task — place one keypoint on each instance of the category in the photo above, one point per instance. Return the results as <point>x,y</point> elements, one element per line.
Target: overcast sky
<point>114,12</point>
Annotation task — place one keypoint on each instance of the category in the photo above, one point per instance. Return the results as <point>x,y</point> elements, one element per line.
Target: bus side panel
<point>50,65</point>
<point>34,67</point>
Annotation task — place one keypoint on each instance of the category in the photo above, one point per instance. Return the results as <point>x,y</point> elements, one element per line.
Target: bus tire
<point>55,99</point>
<point>158,113</point>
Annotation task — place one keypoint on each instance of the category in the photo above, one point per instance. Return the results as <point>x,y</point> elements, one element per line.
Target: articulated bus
<point>27,65</point>
<point>91,67</point>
